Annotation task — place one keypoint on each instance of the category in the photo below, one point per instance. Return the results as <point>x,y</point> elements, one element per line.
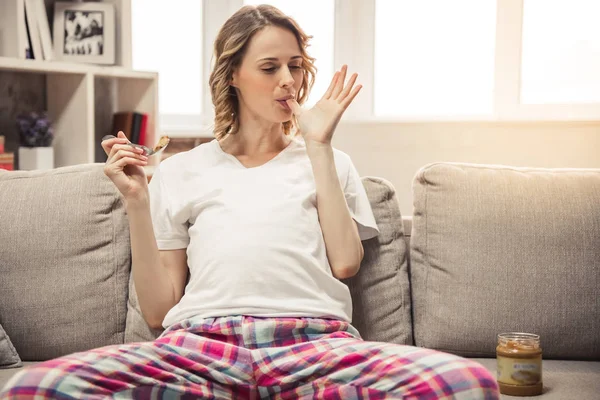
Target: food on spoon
<point>162,143</point>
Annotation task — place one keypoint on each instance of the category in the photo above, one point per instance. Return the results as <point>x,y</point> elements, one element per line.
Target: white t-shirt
<point>253,238</point>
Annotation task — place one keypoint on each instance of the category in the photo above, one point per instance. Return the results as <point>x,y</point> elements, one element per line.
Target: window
<point>560,52</point>
<point>426,59</point>
<point>168,39</point>
<point>319,25</point>
<point>434,57</point>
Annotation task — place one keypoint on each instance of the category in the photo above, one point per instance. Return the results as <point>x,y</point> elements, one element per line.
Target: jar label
<point>519,371</point>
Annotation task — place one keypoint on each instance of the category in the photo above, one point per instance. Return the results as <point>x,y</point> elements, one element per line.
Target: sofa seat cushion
<point>64,261</point>
<point>562,379</point>
<point>502,249</point>
<point>6,374</point>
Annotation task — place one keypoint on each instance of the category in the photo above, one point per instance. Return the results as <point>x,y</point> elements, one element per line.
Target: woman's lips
<point>284,104</point>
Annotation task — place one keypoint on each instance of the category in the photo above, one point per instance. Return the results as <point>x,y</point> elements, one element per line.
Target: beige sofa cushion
<point>563,380</point>
<point>380,291</point>
<point>9,358</point>
<point>64,261</point>
<point>498,249</point>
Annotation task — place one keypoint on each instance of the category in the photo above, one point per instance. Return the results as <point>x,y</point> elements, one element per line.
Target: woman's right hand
<point>125,167</point>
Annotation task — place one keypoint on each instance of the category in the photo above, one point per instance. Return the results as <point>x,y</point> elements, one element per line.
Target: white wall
<point>395,151</point>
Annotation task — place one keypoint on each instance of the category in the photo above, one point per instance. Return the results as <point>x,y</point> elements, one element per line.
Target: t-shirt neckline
<point>220,150</point>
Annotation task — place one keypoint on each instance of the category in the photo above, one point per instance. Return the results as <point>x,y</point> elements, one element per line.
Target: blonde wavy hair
<point>229,49</point>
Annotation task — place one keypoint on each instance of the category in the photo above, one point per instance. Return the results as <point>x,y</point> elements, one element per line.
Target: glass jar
<point>519,358</point>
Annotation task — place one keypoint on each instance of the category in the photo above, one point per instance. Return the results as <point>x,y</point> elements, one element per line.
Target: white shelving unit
<point>81,98</point>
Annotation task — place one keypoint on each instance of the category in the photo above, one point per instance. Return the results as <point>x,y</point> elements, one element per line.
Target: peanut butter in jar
<point>519,358</point>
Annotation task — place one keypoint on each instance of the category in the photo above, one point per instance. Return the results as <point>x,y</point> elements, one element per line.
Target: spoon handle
<point>106,137</point>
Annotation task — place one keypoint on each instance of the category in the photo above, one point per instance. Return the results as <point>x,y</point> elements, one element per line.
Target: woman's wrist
<point>317,149</point>
<point>136,202</point>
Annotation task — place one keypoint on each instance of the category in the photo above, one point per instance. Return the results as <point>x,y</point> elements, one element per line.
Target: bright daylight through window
<point>561,52</point>
<point>168,39</point>
<point>434,57</point>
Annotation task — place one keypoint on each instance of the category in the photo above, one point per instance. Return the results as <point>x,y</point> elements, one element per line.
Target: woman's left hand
<point>318,123</point>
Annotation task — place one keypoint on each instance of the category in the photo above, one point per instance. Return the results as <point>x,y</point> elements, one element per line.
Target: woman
<point>265,223</point>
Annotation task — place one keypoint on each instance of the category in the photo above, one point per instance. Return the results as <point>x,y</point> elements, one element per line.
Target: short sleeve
<point>359,205</point>
<point>168,219</point>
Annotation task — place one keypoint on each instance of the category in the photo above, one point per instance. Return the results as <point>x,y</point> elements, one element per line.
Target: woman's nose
<point>287,79</point>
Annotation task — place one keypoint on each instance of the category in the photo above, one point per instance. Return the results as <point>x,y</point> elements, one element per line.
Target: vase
<point>36,158</point>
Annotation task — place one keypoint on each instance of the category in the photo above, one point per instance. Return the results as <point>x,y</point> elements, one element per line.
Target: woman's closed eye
<point>271,70</point>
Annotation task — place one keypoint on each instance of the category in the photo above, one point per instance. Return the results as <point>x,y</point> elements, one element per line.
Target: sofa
<point>487,249</point>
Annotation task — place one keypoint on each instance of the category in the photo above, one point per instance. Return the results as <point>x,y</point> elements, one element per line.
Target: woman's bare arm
<point>159,276</point>
<point>317,125</point>
<point>344,247</point>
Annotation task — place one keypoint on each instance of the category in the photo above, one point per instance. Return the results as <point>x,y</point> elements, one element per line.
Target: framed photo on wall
<point>84,32</point>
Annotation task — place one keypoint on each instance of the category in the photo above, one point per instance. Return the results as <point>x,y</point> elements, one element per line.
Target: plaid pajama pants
<point>246,357</point>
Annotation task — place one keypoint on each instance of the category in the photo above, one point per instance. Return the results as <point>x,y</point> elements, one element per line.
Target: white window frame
<point>507,91</point>
<point>354,40</point>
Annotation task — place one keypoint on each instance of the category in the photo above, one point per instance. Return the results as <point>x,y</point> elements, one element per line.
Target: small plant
<point>35,130</point>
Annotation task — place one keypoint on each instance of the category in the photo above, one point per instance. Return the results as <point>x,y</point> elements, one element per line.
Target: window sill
<point>569,115</point>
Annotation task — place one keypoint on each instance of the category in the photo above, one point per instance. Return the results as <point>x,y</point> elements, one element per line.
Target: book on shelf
<point>7,161</point>
<point>43,27</point>
<point>33,31</point>
<point>25,30</point>
<point>2,140</point>
<point>133,124</point>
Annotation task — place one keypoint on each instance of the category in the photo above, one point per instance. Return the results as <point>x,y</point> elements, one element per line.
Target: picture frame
<point>84,32</point>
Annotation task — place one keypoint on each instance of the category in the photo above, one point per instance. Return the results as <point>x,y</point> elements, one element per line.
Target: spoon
<point>162,143</point>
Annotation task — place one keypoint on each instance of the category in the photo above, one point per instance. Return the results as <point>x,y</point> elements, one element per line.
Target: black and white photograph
<point>84,32</point>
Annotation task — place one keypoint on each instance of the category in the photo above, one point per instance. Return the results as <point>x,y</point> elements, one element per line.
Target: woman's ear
<point>234,80</point>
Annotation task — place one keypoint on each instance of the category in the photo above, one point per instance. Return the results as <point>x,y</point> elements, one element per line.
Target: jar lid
<point>519,340</point>
<point>518,336</point>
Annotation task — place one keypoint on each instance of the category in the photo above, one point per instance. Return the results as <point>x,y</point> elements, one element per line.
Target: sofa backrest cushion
<point>9,358</point>
<point>64,261</point>
<point>501,249</point>
<point>380,291</point>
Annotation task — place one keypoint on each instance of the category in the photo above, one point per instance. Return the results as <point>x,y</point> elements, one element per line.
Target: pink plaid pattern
<point>250,358</point>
